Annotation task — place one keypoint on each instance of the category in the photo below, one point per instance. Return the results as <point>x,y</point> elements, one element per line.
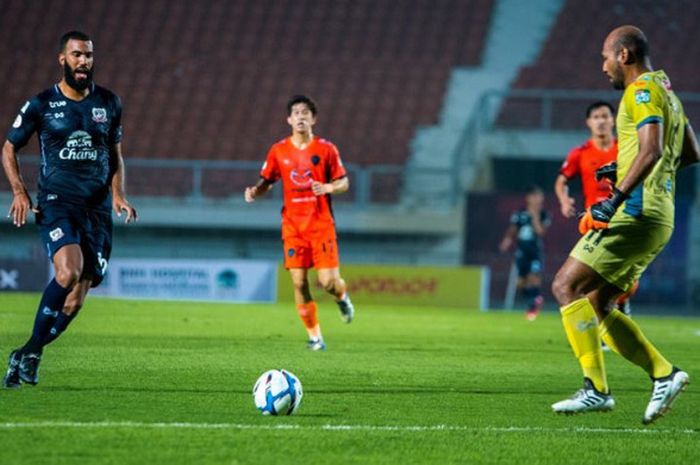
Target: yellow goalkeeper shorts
<point>621,253</point>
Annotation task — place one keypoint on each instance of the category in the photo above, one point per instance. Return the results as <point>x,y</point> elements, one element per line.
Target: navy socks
<point>60,324</point>
<point>49,309</point>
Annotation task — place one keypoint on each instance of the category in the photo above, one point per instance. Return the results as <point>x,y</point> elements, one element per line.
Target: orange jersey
<point>583,161</point>
<point>320,161</point>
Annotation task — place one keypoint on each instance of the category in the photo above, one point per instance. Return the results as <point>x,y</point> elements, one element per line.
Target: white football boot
<point>585,400</point>
<point>665,391</point>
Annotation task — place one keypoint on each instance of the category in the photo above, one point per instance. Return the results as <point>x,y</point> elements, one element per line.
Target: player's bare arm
<point>334,187</point>
<point>508,238</point>
<point>21,202</point>
<point>691,152</point>
<point>119,203</point>
<point>566,202</point>
<point>258,190</point>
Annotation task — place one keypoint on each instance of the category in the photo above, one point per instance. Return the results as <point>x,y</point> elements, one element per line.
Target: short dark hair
<point>534,189</point>
<point>301,99</point>
<point>598,104</point>
<point>72,35</point>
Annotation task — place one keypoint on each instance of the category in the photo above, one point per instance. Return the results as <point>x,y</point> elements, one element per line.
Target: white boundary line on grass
<point>329,427</point>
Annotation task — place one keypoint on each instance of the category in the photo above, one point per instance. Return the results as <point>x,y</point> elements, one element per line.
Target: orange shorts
<point>318,249</point>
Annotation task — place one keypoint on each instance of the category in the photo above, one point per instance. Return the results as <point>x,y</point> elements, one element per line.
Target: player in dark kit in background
<point>529,226</point>
<point>79,130</point>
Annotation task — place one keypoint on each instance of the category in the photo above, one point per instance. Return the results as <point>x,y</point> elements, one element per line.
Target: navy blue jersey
<point>75,138</point>
<point>528,241</point>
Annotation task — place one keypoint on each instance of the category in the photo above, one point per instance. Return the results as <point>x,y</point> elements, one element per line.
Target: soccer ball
<point>277,392</point>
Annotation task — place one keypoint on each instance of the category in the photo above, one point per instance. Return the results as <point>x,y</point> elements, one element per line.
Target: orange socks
<point>308,313</point>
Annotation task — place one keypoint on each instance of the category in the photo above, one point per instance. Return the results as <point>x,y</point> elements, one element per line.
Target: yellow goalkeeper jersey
<point>651,100</point>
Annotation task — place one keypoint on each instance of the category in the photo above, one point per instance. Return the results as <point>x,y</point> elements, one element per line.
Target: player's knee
<point>300,283</point>
<point>562,289</point>
<point>332,285</point>
<point>67,276</point>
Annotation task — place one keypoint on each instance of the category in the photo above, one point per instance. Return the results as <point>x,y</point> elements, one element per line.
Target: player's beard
<point>69,76</point>
<point>617,79</point>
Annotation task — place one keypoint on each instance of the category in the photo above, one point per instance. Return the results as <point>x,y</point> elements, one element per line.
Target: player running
<point>529,226</point>
<point>82,178</point>
<point>627,231</point>
<point>311,171</point>
<point>595,163</point>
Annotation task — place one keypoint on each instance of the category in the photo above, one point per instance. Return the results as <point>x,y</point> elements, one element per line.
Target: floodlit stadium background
<point>443,111</point>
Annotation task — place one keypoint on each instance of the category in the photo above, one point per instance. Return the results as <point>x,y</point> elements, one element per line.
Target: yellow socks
<point>308,313</point>
<point>624,337</point>
<point>581,326</point>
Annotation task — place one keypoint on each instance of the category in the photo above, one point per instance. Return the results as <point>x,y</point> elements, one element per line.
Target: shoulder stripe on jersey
<point>651,120</point>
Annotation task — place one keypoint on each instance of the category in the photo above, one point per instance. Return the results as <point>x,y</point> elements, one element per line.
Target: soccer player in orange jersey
<point>584,161</point>
<point>311,171</point>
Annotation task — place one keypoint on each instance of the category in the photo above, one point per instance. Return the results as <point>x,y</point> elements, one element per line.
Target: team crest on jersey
<point>642,96</point>
<point>56,234</point>
<point>301,177</point>
<point>99,115</point>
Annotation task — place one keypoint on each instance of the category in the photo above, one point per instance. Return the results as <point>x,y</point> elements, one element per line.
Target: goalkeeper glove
<point>608,171</point>
<point>598,216</point>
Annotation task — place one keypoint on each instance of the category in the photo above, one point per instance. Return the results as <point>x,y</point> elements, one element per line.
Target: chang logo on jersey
<point>78,147</point>
<point>99,115</point>
<point>642,96</point>
<point>301,177</point>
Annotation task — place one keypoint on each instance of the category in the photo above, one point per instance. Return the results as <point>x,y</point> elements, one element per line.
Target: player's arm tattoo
<point>262,187</point>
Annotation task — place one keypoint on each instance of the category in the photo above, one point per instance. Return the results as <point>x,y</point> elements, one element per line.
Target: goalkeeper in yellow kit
<point>624,233</point>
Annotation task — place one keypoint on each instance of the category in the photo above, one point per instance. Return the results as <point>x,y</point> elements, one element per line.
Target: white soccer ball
<point>277,392</point>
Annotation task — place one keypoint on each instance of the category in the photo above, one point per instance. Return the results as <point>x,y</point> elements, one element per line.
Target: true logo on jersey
<point>99,115</point>
<point>301,177</point>
<point>642,96</point>
<point>78,147</point>
<point>56,234</point>
<point>61,103</point>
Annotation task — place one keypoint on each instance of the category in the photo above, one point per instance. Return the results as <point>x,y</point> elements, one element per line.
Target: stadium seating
<point>209,80</point>
<point>582,27</point>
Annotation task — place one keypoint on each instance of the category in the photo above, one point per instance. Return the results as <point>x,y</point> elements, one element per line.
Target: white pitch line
<point>328,427</point>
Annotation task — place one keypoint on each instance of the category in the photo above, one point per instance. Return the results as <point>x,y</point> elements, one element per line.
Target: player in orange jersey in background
<point>311,171</point>
<point>586,161</point>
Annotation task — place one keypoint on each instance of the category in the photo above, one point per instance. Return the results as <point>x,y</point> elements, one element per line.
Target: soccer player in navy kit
<point>81,180</point>
<point>527,228</point>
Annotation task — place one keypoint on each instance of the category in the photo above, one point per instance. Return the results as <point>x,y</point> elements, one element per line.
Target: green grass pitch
<point>170,383</point>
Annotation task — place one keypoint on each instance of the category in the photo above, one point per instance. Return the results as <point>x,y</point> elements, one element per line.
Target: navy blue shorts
<point>62,224</point>
<point>528,262</point>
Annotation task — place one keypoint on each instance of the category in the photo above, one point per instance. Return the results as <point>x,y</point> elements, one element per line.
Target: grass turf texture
<point>115,386</point>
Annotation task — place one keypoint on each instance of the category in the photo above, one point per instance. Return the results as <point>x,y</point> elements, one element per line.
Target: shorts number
<point>102,262</point>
